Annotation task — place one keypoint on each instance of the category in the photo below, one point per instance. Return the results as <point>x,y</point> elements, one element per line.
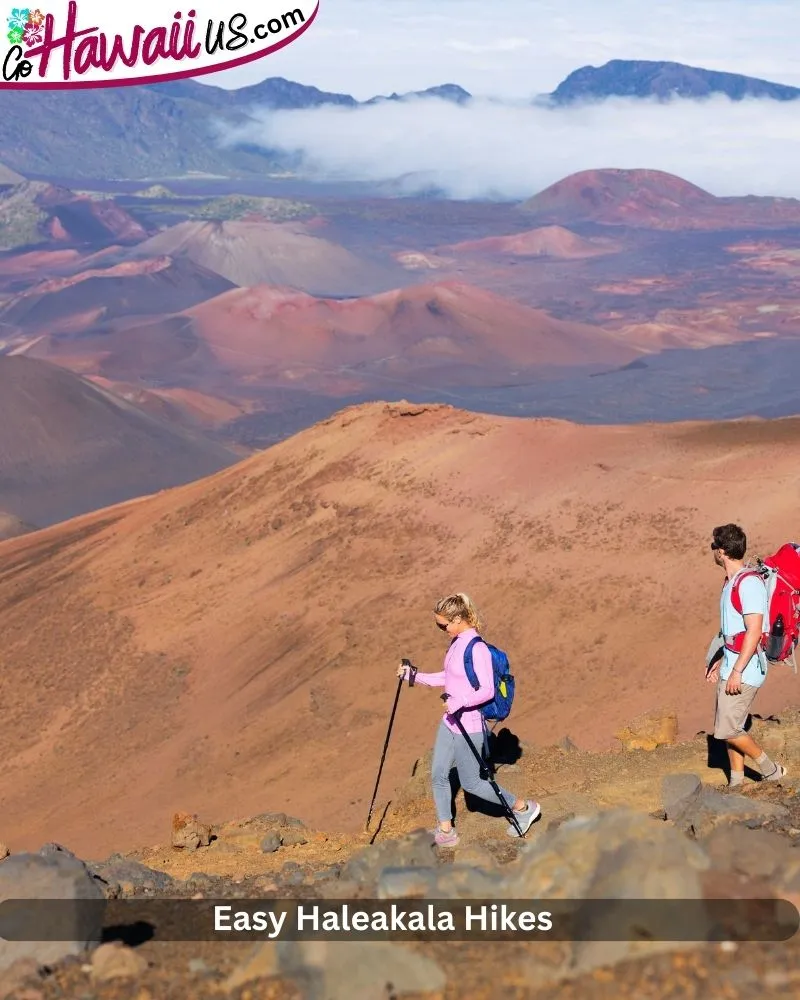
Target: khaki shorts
<point>732,711</point>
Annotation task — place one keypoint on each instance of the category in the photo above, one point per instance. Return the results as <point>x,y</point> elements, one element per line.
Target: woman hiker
<point>457,616</point>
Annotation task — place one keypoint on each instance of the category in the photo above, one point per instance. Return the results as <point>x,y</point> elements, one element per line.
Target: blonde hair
<point>458,606</point>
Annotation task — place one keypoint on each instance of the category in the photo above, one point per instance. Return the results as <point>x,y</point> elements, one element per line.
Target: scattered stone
<point>407,883</point>
<point>412,851</point>
<point>293,838</point>
<point>54,876</point>
<point>563,865</point>
<point>678,792</point>
<point>566,744</point>
<point>197,967</point>
<point>651,730</point>
<point>271,843</point>
<point>472,854</point>
<point>756,853</point>
<point>358,970</point>
<point>52,849</point>
<point>4,852</point>
<point>279,820</point>
<point>125,878</point>
<point>711,807</point>
<point>188,832</point>
<point>14,978</point>
<point>261,963</point>
<point>465,882</point>
<point>116,961</point>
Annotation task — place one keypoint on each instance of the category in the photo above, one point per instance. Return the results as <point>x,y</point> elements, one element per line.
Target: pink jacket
<point>454,680</point>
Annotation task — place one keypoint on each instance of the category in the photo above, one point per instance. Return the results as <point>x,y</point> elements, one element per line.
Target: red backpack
<point>781,629</point>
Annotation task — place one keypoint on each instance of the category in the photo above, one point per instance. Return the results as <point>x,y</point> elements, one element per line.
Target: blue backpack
<point>499,707</point>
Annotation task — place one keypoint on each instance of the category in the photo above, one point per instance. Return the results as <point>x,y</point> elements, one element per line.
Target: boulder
<point>358,970</point>
<point>754,853</point>
<point>678,792</point>
<point>270,843</point>
<point>414,850</point>
<point>188,833</point>
<point>37,881</point>
<point>116,961</point>
<point>4,852</point>
<point>651,730</point>
<point>709,808</point>
<point>123,877</point>
<point>564,865</point>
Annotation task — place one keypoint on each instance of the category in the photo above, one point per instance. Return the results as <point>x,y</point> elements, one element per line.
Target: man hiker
<point>739,675</point>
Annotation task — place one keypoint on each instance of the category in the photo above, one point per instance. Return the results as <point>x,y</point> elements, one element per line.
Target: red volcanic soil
<point>424,325</point>
<point>547,241</point>
<point>229,646</point>
<point>142,287</point>
<point>653,199</point>
<point>260,252</point>
<point>67,446</point>
<point>275,334</point>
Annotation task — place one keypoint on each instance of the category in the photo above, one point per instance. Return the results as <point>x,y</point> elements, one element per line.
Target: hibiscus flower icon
<point>33,33</point>
<point>17,20</point>
<point>35,17</point>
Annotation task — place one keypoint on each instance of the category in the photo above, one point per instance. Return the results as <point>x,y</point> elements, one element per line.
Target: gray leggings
<point>450,749</point>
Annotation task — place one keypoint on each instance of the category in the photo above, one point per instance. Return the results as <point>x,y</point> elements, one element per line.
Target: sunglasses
<point>442,627</point>
<point>714,546</point>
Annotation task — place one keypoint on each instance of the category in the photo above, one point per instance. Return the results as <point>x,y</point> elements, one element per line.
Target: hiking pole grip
<point>412,671</point>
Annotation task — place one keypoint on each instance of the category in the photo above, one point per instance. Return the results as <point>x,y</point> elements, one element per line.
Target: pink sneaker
<point>445,839</point>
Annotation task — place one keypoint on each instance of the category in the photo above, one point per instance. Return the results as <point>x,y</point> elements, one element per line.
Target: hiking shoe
<point>525,819</point>
<point>445,839</point>
<point>779,772</point>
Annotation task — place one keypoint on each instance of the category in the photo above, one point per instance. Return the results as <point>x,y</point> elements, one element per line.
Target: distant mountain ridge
<point>160,130</point>
<point>664,80</point>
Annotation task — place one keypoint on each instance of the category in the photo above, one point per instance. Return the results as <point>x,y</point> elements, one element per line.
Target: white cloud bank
<point>493,150</point>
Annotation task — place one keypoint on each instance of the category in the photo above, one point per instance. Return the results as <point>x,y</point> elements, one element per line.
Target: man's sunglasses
<point>714,546</point>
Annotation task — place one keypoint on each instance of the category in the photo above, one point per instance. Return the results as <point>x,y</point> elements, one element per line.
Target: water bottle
<point>776,635</point>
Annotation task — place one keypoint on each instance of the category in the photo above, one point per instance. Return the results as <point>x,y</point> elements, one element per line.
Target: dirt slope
<point>231,644</point>
<point>653,199</point>
<point>67,446</point>
<point>546,241</point>
<point>259,252</point>
<point>442,324</point>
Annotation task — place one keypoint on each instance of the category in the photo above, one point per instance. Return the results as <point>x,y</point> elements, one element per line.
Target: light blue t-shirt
<point>753,595</point>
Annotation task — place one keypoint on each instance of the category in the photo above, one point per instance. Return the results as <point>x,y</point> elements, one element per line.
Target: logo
<point>95,44</point>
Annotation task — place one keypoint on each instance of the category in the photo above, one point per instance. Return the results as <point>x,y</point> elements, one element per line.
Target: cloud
<point>506,150</point>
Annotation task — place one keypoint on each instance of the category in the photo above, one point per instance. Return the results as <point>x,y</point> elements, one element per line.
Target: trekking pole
<point>486,774</point>
<point>406,663</point>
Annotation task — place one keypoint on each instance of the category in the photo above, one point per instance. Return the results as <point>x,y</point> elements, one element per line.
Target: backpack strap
<point>736,600</point>
<point>469,668</point>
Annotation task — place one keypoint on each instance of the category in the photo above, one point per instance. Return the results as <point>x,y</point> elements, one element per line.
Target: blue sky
<point>516,48</point>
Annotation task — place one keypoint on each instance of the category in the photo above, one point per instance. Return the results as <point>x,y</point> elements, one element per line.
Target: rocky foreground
<point>652,820</point>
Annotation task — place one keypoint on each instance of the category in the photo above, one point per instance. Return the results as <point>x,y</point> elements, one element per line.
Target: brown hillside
<point>67,446</point>
<point>77,301</point>
<point>230,646</point>
<point>652,199</point>
<point>436,324</point>
<point>547,241</point>
<point>259,252</point>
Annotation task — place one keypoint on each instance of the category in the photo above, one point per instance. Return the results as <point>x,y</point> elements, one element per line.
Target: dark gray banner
<point>381,920</point>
